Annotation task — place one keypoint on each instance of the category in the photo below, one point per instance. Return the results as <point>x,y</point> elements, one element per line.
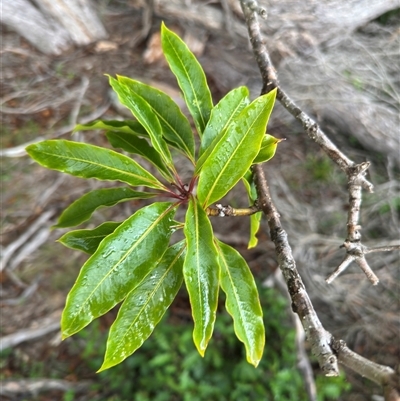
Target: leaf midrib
<point>242,318</point>
<point>104,166</point>
<point>154,131</point>
<point>190,83</point>
<point>131,249</point>
<point>162,278</point>
<point>230,158</point>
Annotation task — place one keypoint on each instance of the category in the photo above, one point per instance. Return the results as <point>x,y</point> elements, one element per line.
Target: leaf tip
<point>201,346</point>
<point>102,368</point>
<point>252,243</point>
<point>253,361</point>
<point>64,335</point>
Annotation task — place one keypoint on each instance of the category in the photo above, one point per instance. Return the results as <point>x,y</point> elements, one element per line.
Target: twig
<point>19,151</point>
<point>379,374</point>
<point>355,172</point>
<point>317,336</point>
<point>31,246</point>
<point>45,326</point>
<point>27,293</point>
<point>229,211</point>
<point>11,249</point>
<point>79,98</point>
<point>388,248</point>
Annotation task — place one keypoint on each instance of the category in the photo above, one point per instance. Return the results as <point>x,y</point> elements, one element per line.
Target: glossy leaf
<point>255,222</point>
<point>242,302</point>
<point>222,114</point>
<point>176,127</point>
<point>190,76</point>
<point>88,240</point>
<point>127,126</point>
<point>235,152</point>
<point>133,144</point>
<point>267,150</point>
<point>144,307</point>
<point>201,273</point>
<point>255,219</point>
<point>82,209</point>
<point>145,115</point>
<point>120,263</point>
<point>88,161</point>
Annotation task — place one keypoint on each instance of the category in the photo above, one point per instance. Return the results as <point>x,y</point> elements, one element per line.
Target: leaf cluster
<point>133,262</point>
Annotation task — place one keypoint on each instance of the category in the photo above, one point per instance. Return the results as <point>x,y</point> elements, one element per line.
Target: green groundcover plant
<point>133,261</point>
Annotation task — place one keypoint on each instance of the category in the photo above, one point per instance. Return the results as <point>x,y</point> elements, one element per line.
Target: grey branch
<point>382,375</point>
<point>324,347</point>
<point>317,336</point>
<point>355,172</point>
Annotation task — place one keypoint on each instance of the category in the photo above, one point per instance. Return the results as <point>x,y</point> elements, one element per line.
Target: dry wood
<point>55,25</point>
<point>12,387</point>
<point>46,325</point>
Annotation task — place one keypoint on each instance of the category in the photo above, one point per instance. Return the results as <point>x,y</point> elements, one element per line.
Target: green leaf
<point>133,144</point>
<point>255,222</point>
<point>120,263</point>
<point>222,114</point>
<point>88,240</point>
<point>127,126</point>
<point>267,150</point>
<point>201,273</point>
<point>176,127</point>
<point>144,307</point>
<point>190,76</point>
<point>88,161</point>
<point>235,152</point>
<point>82,209</point>
<point>255,219</point>
<point>242,302</point>
<point>145,115</point>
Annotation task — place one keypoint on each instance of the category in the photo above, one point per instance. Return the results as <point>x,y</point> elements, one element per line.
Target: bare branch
<point>46,325</point>
<point>355,172</point>
<point>12,248</point>
<point>382,375</point>
<point>341,268</point>
<point>388,248</point>
<point>317,336</point>
<point>355,252</point>
<point>324,347</point>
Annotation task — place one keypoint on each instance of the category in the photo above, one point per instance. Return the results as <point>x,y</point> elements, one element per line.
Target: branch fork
<point>327,350</point>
